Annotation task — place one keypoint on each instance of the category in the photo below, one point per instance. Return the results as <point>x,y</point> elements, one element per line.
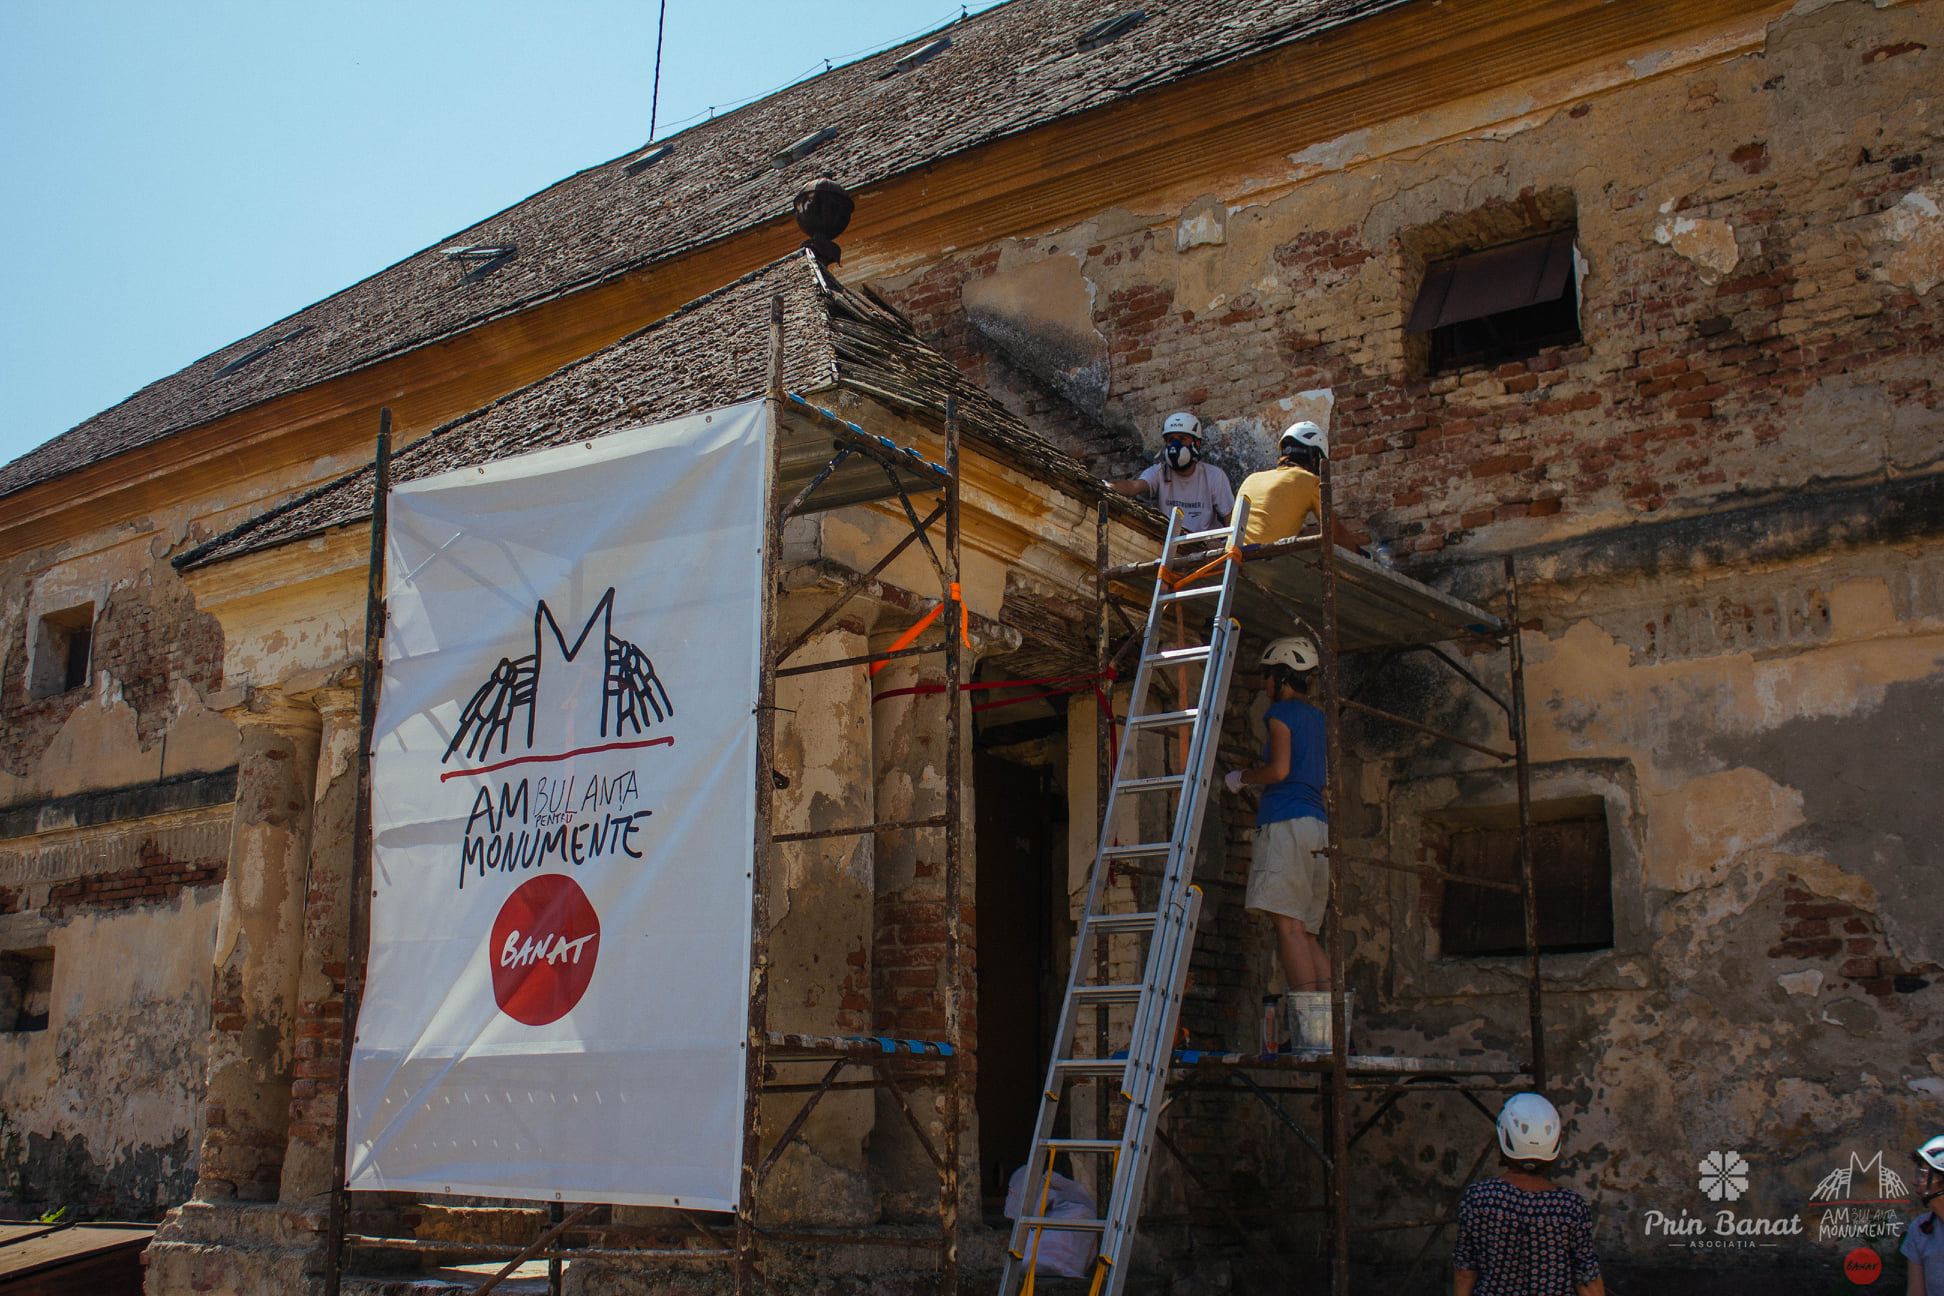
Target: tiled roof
<point>713,352</point>
<point>1008,70</point>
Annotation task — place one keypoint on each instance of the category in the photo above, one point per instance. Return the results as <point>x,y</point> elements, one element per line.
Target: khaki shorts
<point>1289,875</point>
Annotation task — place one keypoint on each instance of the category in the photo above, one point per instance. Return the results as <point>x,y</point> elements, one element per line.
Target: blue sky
<point>178,176</point>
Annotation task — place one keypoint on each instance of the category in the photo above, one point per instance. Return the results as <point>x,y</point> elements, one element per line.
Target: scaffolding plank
<point>1361,1064</point>
<point>1379,607</point>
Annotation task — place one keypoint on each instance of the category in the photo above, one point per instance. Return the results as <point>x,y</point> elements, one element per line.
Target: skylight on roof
<point>479,252</point>
<point>259,352</point>
<point>804,147</point>
<point>923,54</point>
<point>1111,30</point>
<point>649,158</point>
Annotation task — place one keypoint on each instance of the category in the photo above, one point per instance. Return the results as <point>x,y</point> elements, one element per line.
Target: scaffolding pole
<point>358,939</point>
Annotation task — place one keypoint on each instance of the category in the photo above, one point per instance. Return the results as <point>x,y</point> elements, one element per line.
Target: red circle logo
<point>543,948</point>
<point>1862,1266</point>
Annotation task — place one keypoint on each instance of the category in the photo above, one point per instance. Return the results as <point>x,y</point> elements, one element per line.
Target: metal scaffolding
<point>1353,604</point>
<point>818,462</point>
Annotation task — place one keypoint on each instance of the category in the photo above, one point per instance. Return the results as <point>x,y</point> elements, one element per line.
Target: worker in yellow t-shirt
<point>1284,498</point>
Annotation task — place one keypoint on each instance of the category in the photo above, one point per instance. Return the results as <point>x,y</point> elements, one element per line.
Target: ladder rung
<point>1192,591</point>
<point>1154,783</point>
<point>1121,922</point>
<point>1191,537</point>
<point>1162,719</point>
<point>1108,1146</point>
<point>1115,1067</point>
<point>1054,1224</point>
<point>1137,850</point>
<point>1171,656</point>
<point>1107,994</point>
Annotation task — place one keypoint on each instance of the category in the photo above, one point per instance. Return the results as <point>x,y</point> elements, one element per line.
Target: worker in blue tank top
<point>1289,877</point>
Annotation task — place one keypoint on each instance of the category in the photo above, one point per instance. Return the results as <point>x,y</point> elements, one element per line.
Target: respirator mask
<point>1181,453</point>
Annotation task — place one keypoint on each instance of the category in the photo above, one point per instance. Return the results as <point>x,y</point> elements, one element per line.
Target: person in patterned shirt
<point>1518,1235</point>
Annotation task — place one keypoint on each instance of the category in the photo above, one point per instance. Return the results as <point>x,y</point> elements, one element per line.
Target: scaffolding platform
<point>1357,1065</point>
<point>1377,606</point>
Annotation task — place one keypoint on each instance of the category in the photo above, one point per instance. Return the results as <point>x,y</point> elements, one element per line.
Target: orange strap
<point>923,623</point>
<point>965,616</point>
<point>1173,581</point>
<point>904,640</point>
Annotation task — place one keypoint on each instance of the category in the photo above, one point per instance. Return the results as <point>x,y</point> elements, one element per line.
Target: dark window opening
<point>61,651</point>
<point>1572,873</point>
<point>26,989</point>
<point>1504,303</point>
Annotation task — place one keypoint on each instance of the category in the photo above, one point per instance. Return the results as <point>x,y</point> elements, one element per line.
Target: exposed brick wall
<point>1682,392</point>
<point>319,1057</point>
<point>1846,939</point>
<point>908,955</point>
<point>145,638</point>
<point>156,880</point>
<point>932,301</point>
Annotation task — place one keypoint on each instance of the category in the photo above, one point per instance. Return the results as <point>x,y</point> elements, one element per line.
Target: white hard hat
<point>1528,1128</point>
<point>1297,652</point>
<point>1181,422</point>
<point>1305,436</point>
<point>1932,1154</point>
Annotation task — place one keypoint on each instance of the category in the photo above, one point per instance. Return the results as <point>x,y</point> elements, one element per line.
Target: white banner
<point>562,805</point>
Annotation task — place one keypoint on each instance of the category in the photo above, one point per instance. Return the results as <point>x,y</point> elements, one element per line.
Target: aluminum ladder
<point>1140,1063</point>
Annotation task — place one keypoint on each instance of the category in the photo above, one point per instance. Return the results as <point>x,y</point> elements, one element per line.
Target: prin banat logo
<point>1856,1200</point>
<point>568,797</point>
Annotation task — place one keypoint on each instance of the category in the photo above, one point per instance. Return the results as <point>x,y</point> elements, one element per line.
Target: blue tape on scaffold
<point>1188,1057</point>
<point>944,1049</point>
<point>886,1043</point>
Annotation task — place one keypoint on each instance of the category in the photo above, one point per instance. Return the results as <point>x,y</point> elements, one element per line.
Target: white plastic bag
<point>1061,1253</point>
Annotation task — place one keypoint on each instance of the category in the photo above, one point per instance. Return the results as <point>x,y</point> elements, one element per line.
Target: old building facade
<point>1717,474</point>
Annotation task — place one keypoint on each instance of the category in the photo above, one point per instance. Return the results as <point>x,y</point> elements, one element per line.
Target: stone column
<point>307,1168</point>
<point>821,914</point>
<point>259,941</point>
<point>908,757</point>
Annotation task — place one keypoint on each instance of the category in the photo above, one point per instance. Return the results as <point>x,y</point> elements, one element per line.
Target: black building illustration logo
<point>632,696</point>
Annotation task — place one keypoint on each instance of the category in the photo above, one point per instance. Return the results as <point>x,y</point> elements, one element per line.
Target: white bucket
<point>1309,1019</point>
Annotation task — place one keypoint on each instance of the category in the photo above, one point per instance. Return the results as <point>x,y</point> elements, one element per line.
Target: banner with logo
<point>562,803</point>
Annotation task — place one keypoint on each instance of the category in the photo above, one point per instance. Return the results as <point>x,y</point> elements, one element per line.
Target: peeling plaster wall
<point>1757,212</point>
<point>103,1112</point>
<point>1774,985</point>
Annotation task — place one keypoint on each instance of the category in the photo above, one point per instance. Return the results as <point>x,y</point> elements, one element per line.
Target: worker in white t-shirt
<point>1182,481</point>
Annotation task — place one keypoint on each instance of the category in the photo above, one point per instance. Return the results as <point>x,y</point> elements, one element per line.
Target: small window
<point>804,147</point>
<point>1504,303</point>
<point>1106,33</point>
<point>1572,873</point>
<point>26,989</point>
<point>917,58</point>
<point>61,651</point>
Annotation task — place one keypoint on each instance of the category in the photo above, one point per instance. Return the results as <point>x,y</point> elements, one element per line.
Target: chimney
<point>823,211</point>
